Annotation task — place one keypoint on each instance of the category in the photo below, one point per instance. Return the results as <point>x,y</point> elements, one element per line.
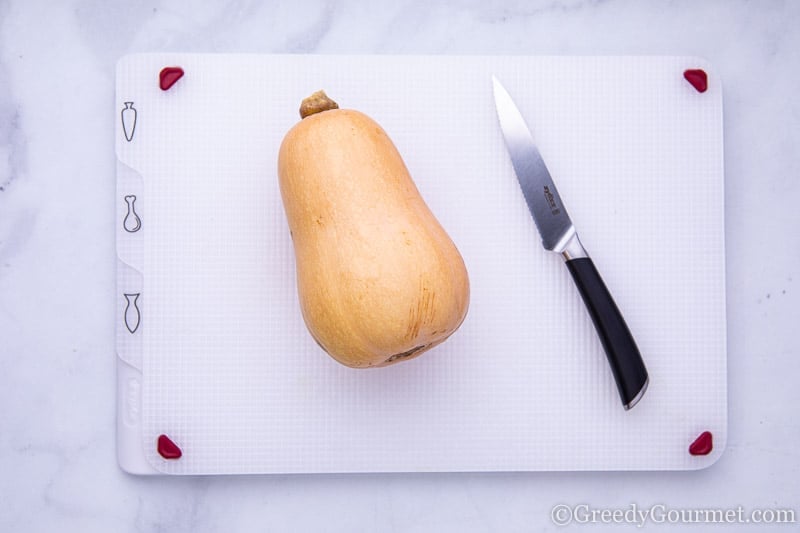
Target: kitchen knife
<point>559,235</point>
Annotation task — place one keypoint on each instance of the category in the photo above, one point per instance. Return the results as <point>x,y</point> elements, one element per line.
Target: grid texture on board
<point>230,372</point>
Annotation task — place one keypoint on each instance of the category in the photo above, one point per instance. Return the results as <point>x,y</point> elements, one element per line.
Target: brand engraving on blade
<point>551,201</point>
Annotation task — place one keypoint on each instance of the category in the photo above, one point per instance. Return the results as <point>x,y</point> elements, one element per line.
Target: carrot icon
<point>129,120</point>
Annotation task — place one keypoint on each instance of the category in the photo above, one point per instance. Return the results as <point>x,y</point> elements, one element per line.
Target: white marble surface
<point>57,364</point>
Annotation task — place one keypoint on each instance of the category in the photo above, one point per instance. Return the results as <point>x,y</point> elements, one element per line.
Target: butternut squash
<point>378,278</point>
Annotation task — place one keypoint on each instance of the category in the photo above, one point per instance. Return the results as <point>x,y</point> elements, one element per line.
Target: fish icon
<point>132,313</point>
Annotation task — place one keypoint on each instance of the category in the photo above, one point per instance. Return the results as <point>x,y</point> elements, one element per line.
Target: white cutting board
<point>213,351</point>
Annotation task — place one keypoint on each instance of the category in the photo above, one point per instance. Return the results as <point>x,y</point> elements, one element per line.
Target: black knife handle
<point>623,354</point>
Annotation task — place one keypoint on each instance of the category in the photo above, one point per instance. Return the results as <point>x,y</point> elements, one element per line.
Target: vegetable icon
<point>129,120</point>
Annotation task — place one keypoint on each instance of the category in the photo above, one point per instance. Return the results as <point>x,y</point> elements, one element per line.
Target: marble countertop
<point>57,257</point>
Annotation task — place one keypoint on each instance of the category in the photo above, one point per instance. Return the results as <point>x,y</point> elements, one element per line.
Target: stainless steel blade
<point>544,202</point>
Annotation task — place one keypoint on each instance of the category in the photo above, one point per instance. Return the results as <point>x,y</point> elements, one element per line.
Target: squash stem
<point>316,103</point>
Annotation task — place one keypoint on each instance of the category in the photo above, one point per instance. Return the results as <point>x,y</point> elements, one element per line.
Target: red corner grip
<point>168,76</point>
<point>703,444</point>
<point>168,449</point>
<point>698,78</point>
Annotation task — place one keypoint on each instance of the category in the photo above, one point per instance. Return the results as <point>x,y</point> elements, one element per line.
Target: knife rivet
<point>168,449</point>
<point>698,78</point>
<point>168,76</point>
<point>703,444</point>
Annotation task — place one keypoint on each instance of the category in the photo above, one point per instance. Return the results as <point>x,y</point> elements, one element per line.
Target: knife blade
<point>559,235</point>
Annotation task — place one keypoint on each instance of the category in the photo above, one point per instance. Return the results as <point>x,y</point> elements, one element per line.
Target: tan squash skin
<point>379,280</point>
